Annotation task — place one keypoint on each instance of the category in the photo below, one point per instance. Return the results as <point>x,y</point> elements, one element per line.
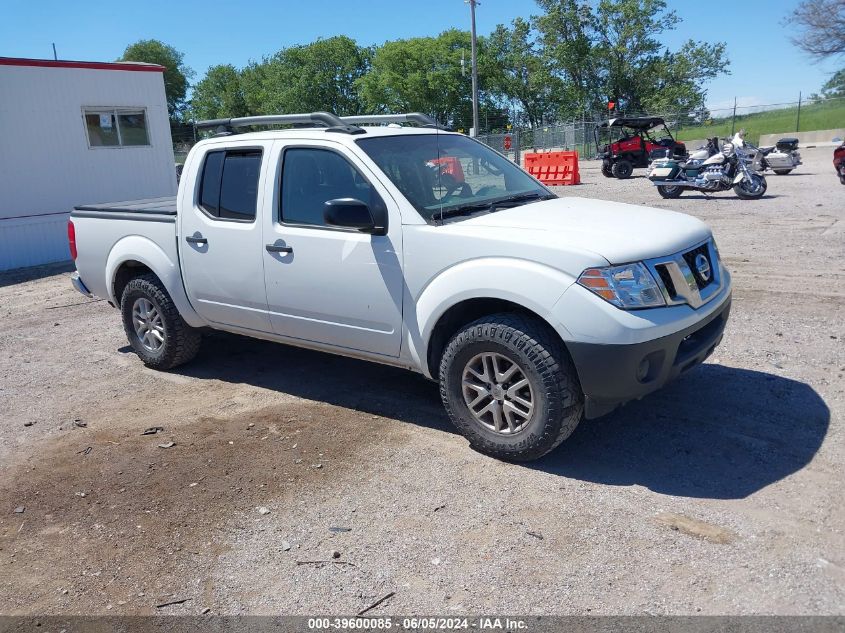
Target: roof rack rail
<point>410,117</point>
<point>326,119</point>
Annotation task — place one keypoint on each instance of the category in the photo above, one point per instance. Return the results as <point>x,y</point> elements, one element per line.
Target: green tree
<point>678,78</point>
<point>256,86</point>
<point>614,51</point>
<point>322,75</point>
<point>629,49</point>
<point>176,74</point>
<point>519,73</point>
<point>424,74</point>
<point>219,94</point>
<point>566,29</point>
<point>835,86</point>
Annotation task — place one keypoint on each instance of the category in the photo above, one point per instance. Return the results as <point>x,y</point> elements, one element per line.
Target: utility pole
<point>472,4</point>
<point>798,119</point>
<point>56,57</point>
<point>733,119</point>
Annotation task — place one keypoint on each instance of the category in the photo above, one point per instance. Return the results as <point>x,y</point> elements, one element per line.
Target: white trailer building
<point>75,133</point>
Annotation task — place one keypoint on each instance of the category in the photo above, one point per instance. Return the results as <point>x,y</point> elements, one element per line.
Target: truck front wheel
<point>153,325</point>
<point>509,387</point>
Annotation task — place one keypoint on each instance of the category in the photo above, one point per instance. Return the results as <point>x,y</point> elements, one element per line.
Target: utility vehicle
<point>628,142</point>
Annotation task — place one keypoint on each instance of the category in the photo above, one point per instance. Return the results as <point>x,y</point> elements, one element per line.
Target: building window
<point>116,127</point>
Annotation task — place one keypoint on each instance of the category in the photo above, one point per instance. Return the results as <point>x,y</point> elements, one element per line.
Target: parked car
<point>628,142</point>
<point>532,311</point>
<point>839,162</point>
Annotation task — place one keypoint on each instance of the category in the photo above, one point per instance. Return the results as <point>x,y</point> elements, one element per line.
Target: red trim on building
<point>49,63</point>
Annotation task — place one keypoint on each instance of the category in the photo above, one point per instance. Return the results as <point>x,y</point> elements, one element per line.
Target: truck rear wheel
<point>782,172</point>
<point>153,325</point>
<point>622,169</point>
<point>510,387</point>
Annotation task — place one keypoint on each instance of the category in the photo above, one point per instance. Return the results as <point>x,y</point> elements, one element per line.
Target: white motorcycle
<point>732,167</point>
<point>701,154</point>
<point>781,158</point>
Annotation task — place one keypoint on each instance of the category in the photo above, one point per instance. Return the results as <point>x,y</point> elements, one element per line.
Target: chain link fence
<point>803,115</point>
<point>578,135</point>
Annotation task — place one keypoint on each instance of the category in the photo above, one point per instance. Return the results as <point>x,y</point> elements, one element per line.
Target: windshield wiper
<point>494,205</point>
<point>467,209</point>
<point>524,197</point>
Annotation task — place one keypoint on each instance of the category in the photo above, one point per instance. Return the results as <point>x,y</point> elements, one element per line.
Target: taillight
<point>71,239</point>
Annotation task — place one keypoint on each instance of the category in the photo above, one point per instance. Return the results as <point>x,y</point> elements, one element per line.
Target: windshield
<point>652,133</point>
<point>447,175</point>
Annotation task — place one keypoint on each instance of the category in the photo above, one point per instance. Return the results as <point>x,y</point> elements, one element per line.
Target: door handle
<point>272,248</point>
<point>196,240</point>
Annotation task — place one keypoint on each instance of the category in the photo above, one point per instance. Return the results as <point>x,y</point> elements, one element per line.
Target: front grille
<point>666,278</point>
<point>690,257</point>
<point>680,281</point>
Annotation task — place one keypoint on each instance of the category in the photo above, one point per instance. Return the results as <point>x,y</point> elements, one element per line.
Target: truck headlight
<point>628,287</point>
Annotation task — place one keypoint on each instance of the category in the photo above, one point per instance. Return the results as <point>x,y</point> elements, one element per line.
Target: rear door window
<point>229,189</point>
<point>210,189</point>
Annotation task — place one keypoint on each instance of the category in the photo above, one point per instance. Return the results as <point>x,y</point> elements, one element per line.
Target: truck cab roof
<point>317,125</point>
<point>318,133</point>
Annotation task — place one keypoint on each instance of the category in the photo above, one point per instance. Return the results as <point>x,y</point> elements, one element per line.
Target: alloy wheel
<point>148,324</point>
<point>498,393</point>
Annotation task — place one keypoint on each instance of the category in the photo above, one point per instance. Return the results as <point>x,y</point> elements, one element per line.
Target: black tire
<point>842,180</point>
<point>670,192</point>
<point>181,341</point>
<point>622,169</point>
<point>782,172</point>
<point>542,359</point>
<point>606,171</point>
<point>744,193</point>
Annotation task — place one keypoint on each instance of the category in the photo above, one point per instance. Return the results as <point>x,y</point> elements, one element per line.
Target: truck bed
<point>146,206</point>
<point>141,229</point>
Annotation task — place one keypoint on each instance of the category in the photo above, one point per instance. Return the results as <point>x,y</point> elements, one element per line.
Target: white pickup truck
<point>420,248</point>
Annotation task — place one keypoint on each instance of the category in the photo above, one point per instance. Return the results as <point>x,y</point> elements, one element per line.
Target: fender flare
<point>147,252</point>
<point>535,287</point>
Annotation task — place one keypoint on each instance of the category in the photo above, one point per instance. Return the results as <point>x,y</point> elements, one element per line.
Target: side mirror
<point>353,214</point>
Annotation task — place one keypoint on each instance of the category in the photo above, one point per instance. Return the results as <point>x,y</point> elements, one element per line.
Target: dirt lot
<point>723,493</point>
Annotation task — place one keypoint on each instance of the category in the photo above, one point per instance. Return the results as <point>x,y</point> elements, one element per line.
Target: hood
<point>618,232</point>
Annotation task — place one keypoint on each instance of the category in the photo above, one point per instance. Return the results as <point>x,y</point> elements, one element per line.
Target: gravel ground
<point>720,494</point>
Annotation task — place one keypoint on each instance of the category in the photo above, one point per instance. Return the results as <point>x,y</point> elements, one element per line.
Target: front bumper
<point>79,285</point>
<point>611,375</point>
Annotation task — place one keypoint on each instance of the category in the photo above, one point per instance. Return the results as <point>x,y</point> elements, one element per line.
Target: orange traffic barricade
<point>451,166</point>
<point>554,168</point>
